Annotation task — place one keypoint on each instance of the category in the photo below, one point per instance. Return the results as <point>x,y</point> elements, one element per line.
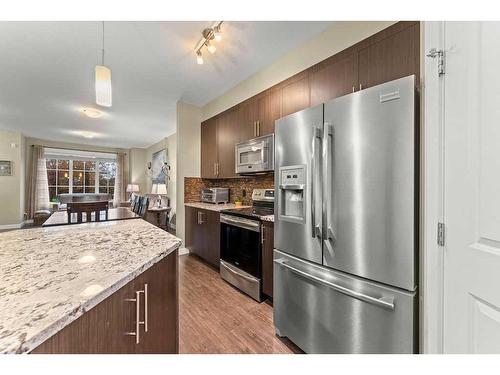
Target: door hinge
<point>440,55</point>
<point>440,234</point>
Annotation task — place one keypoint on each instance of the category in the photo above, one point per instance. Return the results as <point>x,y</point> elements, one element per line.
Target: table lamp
<point>132,189</point>
<point>159,189</point>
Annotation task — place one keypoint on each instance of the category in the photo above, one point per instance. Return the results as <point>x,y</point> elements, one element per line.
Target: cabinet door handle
<point>201,217</point>
<point>145,307</point>
<point>215,169</point>
<point>138,322</point>
<point>262,235</point>
<point>353,89</point>
<point>360,86</point>
<point>258,128</point>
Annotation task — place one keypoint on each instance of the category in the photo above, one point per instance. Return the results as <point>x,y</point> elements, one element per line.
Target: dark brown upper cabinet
<point>257,115</point>
<point>387,55</point>
<point>209,157</point>
<point>295,93</point>
<point>393,57</point>
<point>227,137</point>
<point>334,78</point>
<point>248,114</point>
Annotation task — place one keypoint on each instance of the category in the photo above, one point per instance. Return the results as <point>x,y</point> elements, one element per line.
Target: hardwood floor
<point>217,318</point>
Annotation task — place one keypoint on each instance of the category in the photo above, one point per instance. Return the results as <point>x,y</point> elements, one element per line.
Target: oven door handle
<point>241,223</point>
<point>229,268</point>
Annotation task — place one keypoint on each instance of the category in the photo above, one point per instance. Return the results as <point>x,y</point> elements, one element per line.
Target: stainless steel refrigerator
<point>346,223</point>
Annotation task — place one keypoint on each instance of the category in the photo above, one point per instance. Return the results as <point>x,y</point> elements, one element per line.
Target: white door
<point>472,187</point>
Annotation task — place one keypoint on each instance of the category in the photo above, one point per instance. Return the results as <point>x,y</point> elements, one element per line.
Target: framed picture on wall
<point>157,165</point>
<point>5,168</point>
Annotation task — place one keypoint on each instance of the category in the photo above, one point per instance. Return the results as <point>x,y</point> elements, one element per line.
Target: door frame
<point>432,192</point>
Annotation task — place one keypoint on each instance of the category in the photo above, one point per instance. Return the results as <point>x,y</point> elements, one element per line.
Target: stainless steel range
<point>241,232</point>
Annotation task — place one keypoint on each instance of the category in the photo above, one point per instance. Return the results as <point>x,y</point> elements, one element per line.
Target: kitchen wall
<point>138,168</point>
<point>188,154</point>
<point>339,36</point>
<point>12,188</point>
<point>238,187</point>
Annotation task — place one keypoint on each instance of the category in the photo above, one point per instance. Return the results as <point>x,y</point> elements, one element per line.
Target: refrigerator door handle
<point>316,231</point>
<point>384,302</point>
<point>328,231</point>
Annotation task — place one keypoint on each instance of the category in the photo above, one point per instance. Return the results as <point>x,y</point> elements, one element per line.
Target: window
<point>80,176</point>
<point>107,174</point>
<point>58,177</point>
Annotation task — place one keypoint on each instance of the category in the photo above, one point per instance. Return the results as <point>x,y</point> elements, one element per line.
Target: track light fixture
<point>208,35</point>
<point>199,58</point>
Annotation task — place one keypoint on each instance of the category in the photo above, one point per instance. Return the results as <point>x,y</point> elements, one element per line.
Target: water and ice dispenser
<point>292,187</point>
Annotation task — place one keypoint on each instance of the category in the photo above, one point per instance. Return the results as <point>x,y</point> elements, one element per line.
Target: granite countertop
<point>214,207</point>
<point>51,276</point>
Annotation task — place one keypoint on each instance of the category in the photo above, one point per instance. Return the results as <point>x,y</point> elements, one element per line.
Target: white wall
<point>338,37</point>
<point>12,148</point>
<point>138,168</point>
<point>172,159</point>
<point>188,154</point>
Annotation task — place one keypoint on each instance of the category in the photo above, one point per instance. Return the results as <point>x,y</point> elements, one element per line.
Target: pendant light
<point>103,91</point>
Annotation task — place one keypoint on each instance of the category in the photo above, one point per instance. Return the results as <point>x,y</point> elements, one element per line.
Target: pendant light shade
<point>103,91</point>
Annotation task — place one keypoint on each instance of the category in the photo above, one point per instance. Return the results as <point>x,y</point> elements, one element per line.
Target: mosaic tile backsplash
<point>238,187</point>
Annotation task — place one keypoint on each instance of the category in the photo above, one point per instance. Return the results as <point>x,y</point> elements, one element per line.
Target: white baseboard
<point>11,226</point>
<point>183,251</point>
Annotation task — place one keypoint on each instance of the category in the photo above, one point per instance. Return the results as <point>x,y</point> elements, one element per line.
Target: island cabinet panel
<point>107,328</point>
<point>209,157</point>
<point>393,57</point>
<point>295,93</point>
<point>203,234</point>
<point>334,78</point>
<point>267,257</point>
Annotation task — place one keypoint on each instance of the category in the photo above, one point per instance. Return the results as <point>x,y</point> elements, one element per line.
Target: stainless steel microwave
<point>255,155</point>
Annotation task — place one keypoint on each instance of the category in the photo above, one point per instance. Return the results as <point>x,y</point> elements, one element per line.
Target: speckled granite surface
<point>267,218</point>
<point>214,207</point>
<point>51,276</point>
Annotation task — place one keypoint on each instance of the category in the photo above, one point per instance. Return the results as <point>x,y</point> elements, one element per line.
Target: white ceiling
<point>47,68</point>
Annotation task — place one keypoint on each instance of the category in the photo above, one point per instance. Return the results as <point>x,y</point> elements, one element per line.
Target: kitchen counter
<point>51,276</point>
<point>214,207</point>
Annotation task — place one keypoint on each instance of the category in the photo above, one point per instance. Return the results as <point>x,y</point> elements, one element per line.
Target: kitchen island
<point>89,288</point>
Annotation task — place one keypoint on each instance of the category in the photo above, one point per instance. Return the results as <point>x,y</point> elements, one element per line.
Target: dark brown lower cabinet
<point>267,257</point>
<point>110,327</point>
<point>202,228</point>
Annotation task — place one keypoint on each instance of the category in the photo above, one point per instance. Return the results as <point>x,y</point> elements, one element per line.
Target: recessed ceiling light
<point>91,112</point>
<point>85,134</point>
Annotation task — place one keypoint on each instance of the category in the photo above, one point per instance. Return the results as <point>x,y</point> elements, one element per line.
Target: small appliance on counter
<point>240,242</point>
<point>255,155</point>
<point>215,195</point>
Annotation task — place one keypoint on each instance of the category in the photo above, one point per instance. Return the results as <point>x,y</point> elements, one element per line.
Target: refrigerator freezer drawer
<point>325,311</point>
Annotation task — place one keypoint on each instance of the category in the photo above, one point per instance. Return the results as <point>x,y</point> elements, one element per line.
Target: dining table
<point>61,217</point>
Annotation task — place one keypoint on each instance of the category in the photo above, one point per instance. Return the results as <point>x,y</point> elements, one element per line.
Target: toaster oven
<point>215,195</point>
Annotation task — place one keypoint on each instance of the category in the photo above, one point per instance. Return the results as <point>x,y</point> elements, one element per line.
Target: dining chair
<point>136,203</point>
<point>143,206</point>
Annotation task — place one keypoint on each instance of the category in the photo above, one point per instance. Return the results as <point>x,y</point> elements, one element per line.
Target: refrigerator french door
<point>345,264</point>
